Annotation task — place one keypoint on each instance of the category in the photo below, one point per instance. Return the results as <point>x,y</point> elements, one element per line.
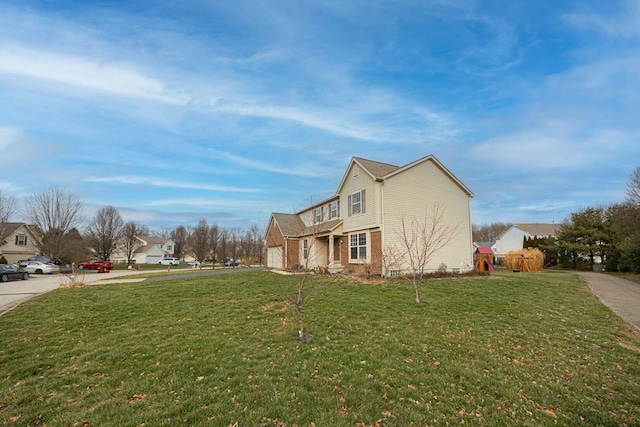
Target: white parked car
<point>38,267</point>
<point>169,261</point>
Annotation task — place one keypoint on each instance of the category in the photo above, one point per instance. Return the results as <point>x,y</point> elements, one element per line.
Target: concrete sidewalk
<point>14,292</point>
<point>620,295</point>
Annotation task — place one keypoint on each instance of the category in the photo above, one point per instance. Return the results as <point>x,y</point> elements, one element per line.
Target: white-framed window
<point>305,248</point>
<point>357,203</point>
<point>21,240</point>
<point>317,215</point>
<point>334,209</point>
<point>358,246</point>
<point>169,248</point>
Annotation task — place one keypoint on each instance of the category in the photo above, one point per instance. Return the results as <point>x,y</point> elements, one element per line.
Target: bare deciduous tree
<point>223,245</point>
<point>55,212</point>
<point>489,232</point>
<point>199,241</point>
<point>214,240</point>
<point>104,231</point>
<point>421,239</point>
<point>633,187</point>
<point>7,209</point>
<point>129,241</point>
<point>180,237</point>
<point>308,258</point>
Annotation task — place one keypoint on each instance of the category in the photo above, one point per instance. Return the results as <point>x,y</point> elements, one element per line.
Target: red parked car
<point>95,264</point>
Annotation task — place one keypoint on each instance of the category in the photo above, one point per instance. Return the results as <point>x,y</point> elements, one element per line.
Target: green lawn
<point>526,349</point>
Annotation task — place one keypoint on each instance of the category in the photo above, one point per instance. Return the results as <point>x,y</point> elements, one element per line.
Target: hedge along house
<point>356,229</point>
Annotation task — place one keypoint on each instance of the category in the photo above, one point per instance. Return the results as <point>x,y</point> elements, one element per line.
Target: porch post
<point>330,249</point>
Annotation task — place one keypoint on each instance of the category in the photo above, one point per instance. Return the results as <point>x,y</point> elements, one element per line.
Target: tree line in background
<point>58,215</point>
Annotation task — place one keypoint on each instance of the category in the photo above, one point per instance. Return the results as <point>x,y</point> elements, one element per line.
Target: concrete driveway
<point>620,295</point>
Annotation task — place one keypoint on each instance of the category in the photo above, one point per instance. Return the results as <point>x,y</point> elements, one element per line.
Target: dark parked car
<point>11,272</point>
<point>95,264</point>
<point>40,258</point>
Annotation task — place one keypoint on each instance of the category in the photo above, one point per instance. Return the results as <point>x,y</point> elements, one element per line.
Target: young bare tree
<point>633,187</point>
<point>104,231</point>
<point>129,241</point>
<point>421,239</point>
<point>308,258</point>
<point>55,212</point>
<point>7,209</point>
<point>199,241</point>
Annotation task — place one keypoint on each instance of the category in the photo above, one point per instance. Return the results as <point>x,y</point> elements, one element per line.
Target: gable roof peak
<point>376,169</point>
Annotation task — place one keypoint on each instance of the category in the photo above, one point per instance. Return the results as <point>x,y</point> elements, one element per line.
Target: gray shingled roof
<point>290,224</point>
<point>321,228</point>
<point>377,169</point>
<point>10,227</point>
<point>539,229</point>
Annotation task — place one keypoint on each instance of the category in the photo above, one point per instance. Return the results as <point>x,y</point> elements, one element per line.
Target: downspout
<point>470,259</point>
<point>384,273</point>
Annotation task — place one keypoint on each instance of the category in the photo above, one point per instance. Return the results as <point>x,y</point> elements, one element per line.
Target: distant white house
<point>512,238</point>
<point>149,250</point>
<point>18,241</point>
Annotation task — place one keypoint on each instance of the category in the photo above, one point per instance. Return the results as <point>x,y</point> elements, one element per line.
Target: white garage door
<point>274,257</point>
<point>153,259</point>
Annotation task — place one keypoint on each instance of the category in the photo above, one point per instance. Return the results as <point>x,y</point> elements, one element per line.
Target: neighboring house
<point>150,250</point>
<point>18,242</point>
<point>351,230</point>
<point>512,238</point>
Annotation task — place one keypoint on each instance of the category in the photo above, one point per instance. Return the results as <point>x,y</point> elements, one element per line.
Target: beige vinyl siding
<point>352,184</point>
<point>316,253</point>
<point>416,189</point>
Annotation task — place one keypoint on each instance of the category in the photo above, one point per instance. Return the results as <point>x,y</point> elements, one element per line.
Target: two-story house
<point>356,228</point>
<point>18,241</point>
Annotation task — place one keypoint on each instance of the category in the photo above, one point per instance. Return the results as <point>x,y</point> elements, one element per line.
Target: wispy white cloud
<point>623,24</point>
<point>206,203</point>
<point>164,183</point>
<point>114,79</point>
<point>304,170</point>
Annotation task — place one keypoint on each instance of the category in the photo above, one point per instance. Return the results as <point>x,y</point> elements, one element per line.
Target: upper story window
<point>334,210</point>
<point>169,248</point>
<point>317,215</point>
<point>21,240</point>
<point>357,203</point>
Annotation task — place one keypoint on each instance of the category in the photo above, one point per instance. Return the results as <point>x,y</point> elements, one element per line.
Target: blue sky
<point>228,111</point>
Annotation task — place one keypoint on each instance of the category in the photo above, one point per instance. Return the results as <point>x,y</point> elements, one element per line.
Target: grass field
<point>525,349</point>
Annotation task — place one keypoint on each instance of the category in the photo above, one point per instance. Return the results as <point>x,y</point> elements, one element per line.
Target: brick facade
<point>374,267</point>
